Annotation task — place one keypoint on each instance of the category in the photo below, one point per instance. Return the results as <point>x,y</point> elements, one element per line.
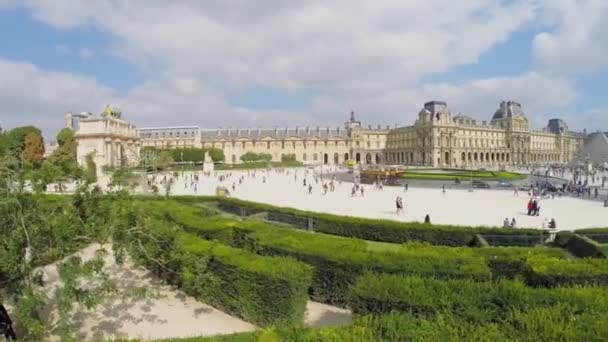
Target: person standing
<point>398,205</point>
<point>443,189</point>
<point>6,325</point>
<point>427,219</point>
<point>506,223</point>
<point>362,191</point>
<point>513,223</point>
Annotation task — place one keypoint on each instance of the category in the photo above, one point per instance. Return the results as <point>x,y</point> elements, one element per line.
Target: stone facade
<point>113,141</point>
<point>437,139</point>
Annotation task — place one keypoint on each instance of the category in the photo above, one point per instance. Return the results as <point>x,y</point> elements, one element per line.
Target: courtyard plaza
<point>479,207</point>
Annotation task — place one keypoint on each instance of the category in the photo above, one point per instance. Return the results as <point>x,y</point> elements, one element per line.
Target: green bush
<point>337,260</point>
<point>477,302</point>
<point>578,245</point>
<point>262,290</point>
<point>551,272</point>
<point>541,324</point>
<point>599,235</point>
<point>382,230</point>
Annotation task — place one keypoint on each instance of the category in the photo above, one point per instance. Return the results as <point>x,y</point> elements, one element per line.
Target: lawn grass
<point>463,175</point>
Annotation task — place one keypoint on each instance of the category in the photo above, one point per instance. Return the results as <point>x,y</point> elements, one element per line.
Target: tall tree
<point>33,149</point>
<point>15,141</point>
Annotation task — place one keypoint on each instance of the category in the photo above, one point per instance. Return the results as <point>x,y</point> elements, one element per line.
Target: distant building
<point>113,141</point>
<point>437,139</point>
<point>171,137</point>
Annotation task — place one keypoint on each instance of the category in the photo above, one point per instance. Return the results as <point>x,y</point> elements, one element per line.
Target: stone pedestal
<point>208,164</point>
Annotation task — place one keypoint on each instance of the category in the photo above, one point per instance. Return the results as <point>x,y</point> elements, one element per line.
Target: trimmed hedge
<point>540,324</point>
<point>479,302</point>
<point>551,272</point>
<point>259,289</point>
<point>580,246</point>
<point>383,230</point>
<point>337,260</point>
<point>599,235</point>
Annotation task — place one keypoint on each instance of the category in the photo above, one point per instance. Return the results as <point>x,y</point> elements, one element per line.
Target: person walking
<point>443,189</point>
<point>362,192</point>
<point>6,325</point>
<point>406,187</point>
<point>398,204</point>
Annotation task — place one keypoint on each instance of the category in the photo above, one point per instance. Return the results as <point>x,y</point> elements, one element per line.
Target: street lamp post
<point>181,156</point>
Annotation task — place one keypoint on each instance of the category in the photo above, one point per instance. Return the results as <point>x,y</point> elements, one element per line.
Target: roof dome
<point>508,109</point>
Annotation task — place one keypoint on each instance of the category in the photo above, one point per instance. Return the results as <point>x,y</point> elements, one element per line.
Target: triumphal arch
<point>111,140</point>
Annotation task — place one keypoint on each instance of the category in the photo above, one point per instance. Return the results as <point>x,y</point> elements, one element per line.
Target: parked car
<point>505,184</point>
<point>480,185</point>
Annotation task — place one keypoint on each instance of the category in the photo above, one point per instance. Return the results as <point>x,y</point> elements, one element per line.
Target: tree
<point>14,141</point>
<point>90,173</point>
<point>250,157</point>
<point>33,150</point>
<point>266,157</point>
<point>216,154</point>
<point>288,157</point>
<point>165,159</point>
<point>64,157</point>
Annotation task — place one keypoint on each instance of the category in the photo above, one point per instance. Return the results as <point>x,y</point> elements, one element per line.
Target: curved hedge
<point>263,290</point>
<point>337,260</point>
<point>480,302</point>
<point>376,229</point>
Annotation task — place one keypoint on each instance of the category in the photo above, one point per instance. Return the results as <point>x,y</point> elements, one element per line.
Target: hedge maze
<point>402,281</point>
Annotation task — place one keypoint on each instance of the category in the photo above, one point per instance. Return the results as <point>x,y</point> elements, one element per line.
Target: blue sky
<point>272,63</point>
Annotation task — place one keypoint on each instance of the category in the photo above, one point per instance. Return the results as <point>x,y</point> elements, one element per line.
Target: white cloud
<point>369,56</point>
<point>578,40</point>
<point>39,97</point>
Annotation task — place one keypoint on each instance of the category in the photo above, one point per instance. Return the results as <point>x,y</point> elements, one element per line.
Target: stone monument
<point>111,140</point>
<point>208,163</point>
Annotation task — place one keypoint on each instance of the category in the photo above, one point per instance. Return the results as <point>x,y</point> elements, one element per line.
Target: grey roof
<point>463,117</point>
<point>557,126</point>
<point>508,109</point>
<point>275,133</point>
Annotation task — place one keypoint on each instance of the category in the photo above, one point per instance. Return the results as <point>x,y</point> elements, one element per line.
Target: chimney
<point>248,131</point>
<point>388,127</point>
<point>286,129</point>
<point>318,129</point>
<point>238,131</point>
<point>219,131</point>
<point>297,129</point>
<point>369,126</point>
<point>259,131</point>
<point>328,130</point>
<point>379,127</point>
<point>307,130</point>
<point>276,131</point>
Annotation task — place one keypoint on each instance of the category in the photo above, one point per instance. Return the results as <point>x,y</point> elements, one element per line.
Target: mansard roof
<point>274,133</point>
<point>509,109</point>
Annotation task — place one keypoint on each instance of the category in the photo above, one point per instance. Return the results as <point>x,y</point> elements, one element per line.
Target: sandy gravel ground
<point>459,207</point>
<point>165,313</point>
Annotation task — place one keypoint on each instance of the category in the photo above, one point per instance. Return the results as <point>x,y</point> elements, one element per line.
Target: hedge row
<point>579,245</point>
<point>599,235</point>
<point>262,290</point>
<point>477,302</point>
<point>384,230</point>
<point>551,272</point>
<point>540,324</point>
<point>337,260</point>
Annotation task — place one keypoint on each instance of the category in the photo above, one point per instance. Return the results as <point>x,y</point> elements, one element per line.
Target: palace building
<point>437,139</point>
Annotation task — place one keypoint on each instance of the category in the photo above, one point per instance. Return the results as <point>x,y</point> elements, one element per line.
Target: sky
<point>269,63</point>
